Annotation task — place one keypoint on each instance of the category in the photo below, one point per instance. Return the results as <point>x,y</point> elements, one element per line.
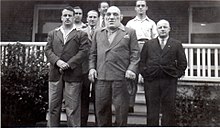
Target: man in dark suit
<point>163,61</point>
<point>65,50</point>
<point>114,58</point>
<point>92,17</point>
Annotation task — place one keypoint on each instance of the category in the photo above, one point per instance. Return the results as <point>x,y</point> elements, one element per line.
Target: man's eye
<point>115,14</point>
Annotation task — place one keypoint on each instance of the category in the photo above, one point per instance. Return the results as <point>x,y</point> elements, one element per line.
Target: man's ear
<point>121,17</point>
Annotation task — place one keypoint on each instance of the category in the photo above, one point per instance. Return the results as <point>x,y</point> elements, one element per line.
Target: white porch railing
<point>203,59</point>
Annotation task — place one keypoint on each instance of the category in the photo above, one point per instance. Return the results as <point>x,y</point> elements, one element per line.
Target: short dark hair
<point>70,8</point>
<point>99,6</point>
<point>77,7</point>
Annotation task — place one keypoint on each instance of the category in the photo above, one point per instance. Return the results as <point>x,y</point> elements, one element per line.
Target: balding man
<point>163,61</point>
<point>114,59</point>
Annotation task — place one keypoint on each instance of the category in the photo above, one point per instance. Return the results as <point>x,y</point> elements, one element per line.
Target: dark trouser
<point>85,100</point>
<point>160,95</point>
<point>106,94</point>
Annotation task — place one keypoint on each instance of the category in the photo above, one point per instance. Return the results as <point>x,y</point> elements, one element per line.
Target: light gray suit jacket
<point>112,60</point>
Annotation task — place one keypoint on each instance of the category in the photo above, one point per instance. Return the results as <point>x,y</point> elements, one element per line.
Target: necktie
<point>162,44</point>
<point>92,31</point>
<point>103,22</point>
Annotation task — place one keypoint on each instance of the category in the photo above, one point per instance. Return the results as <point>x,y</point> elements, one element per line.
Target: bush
<point>196,106</point>
<point>24,80</point>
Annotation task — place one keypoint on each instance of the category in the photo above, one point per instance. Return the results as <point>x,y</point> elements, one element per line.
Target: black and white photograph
<point>110,63</point>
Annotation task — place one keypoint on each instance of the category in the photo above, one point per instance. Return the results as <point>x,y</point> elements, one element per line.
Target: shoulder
<point>129,30</point>
<point>175,41</point>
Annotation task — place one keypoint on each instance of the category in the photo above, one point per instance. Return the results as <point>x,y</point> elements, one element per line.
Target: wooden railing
<point>203,59</point>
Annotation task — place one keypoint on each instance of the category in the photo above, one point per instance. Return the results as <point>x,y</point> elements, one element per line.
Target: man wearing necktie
<point>113,62</point>
<point>163,61</point>
<point>103,6</point>
<point>92,18</point>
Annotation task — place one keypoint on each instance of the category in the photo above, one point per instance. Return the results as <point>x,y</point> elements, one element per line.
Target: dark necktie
<point>92,31</point>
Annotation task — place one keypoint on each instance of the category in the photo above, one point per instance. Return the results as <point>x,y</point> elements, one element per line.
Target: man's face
<point>67,17</point>
<point>113,17</point>
<point>163,29</point>
<point>103,8</point>
<point>141,7</point>
<point>92,18</point>
<point>78,15</point>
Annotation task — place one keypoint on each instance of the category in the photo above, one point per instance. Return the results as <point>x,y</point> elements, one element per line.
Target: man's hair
<point>141,0</point>
<point>70,8</point>
<point>99,6</point>
<point>77,7</point>
<point>92,11</point>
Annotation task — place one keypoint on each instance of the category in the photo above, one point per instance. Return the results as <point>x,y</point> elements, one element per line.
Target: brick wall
<point>16,20</point>
<point>17,17</point>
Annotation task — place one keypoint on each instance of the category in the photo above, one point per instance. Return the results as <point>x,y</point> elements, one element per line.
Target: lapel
<point>104,38</point>
<point>60,36</point>
<point>156,47</point>
<point>166,48</point>
<point>119,36</point>
<point>72,35</point>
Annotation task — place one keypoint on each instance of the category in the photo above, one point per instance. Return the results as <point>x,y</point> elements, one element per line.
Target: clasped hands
<point>93,75</point>
<point>63,65</point>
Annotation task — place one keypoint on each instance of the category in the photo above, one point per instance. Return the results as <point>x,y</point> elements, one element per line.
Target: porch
<point>203,59</point>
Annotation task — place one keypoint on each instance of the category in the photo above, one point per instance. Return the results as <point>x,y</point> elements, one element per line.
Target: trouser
<point>71,91</point>
<point>85,100</point>
<point>160,95</point>
<point>133,92</point>
<point>106,94</point>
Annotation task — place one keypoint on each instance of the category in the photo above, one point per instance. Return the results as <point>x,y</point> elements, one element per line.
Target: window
<point>46,18</point>
<point>205,24</point>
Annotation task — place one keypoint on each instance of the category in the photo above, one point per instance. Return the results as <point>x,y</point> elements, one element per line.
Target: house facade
<point>192,21</point>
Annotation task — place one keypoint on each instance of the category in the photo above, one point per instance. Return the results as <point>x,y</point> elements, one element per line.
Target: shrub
<point>24,82</point>
<point>198,108</point>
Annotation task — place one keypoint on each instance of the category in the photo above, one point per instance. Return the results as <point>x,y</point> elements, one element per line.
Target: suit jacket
<point>112,60</point>
<point>73,52</point>
<point>171,61</point>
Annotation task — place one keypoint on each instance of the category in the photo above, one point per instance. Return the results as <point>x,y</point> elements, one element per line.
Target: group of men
<point>113,59</point>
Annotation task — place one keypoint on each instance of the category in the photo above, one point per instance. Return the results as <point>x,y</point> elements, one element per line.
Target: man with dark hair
<point>163,61</point>
<point>65,50</point>
<point>78,18</point>
<point>145,29</point>
<point>102,8</point>
<point>92,17</point>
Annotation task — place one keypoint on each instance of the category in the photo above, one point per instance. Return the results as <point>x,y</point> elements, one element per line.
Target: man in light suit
<point>163,61</point>
<point>114,58</point>
<point>92,17</point>
<point>65,50</point>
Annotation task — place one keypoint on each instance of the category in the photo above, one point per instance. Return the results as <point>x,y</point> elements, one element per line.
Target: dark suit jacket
<point>112,60</point>
<point>73,52</point>
<point>170,61</point>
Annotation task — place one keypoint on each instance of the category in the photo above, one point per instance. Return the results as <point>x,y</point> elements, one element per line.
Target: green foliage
<point>24,85</point>
<point>196,106</point>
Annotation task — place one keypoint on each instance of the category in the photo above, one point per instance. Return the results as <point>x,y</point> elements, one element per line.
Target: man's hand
<point>130,75</point>
<point>63,65</point>
<point>140,79</point>
<point>92,75</point>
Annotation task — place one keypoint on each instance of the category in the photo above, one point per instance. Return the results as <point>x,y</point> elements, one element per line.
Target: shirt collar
<point>138,19</point>
<point>59,28</point>
<point>121,27</point>
<point>165,39</point>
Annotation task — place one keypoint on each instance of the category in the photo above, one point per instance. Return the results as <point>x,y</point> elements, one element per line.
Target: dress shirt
<point>145,28</point>
<point>65,35</point>
<point>164,41</point>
